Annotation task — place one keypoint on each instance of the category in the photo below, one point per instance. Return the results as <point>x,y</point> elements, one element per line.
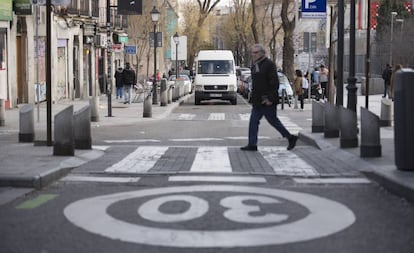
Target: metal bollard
<point>2,113</point>
<point>386,112</point>
<point>163,92</point>
<point>94,105</point>
<point>147,112</point>
<point>170,92</point>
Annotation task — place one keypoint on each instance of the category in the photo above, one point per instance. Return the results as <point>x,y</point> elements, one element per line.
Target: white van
<point>215,76</point>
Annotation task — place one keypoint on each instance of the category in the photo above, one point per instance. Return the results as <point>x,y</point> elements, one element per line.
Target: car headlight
<point>199,87</point>
<point>232,88</point>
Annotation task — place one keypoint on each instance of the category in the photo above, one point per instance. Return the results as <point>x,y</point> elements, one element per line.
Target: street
<point>181,184</point>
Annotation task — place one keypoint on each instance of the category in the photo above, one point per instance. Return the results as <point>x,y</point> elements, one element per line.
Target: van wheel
<point>197,101</point>
<point>234,101</point>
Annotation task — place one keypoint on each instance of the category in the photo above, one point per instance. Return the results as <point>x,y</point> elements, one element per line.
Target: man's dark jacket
<point>129,77</point>
<point>265,82</point>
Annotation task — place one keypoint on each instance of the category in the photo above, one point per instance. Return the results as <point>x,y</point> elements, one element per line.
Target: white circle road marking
<point>325,217</point>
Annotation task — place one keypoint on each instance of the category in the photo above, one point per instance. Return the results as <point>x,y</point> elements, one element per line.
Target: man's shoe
<point>292,142</point>
<point>249,148</point>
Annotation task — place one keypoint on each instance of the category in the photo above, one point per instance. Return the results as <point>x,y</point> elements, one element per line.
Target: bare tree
<point>254,22</point>
<point>205,7</point>
<point>288,24</point>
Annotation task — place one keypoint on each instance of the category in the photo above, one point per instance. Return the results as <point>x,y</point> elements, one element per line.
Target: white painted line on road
<point>247,179</point>
<point>332,180</point>
<point>244,116</point>
<point>101,179</point>
<point>141,160</point>
<point>196,139</point>
<point>186,116</point>
<point>286,162</point>
<point>100,147</point>
<point>211,159</point>
<point>129,141</point>
<point>217,116</point>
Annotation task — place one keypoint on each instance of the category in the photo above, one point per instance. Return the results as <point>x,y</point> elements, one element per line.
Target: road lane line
<point>240,179</point>
<point>101,179</point>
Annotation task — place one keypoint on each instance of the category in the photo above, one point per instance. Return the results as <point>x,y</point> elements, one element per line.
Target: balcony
<point>83,8</point>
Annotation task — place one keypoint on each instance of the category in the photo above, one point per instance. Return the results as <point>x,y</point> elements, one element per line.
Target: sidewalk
<point>27,167</point>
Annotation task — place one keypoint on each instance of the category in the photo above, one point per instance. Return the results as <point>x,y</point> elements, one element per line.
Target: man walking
<point>129,80</point>
<point>264,98</point>
<point>386,75</point>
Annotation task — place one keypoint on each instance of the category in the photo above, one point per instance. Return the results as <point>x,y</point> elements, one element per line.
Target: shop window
<point>3,50</point>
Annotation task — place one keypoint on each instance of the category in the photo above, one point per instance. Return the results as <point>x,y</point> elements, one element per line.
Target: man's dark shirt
<point>265,82</point>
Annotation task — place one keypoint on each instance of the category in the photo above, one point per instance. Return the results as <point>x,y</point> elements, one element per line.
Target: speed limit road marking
<point>270,228</point>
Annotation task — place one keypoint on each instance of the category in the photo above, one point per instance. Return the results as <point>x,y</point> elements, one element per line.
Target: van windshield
<point>215,67</point>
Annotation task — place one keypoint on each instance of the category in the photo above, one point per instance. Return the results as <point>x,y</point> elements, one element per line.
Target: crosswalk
<point>212,159</point>
<point>214,116</point>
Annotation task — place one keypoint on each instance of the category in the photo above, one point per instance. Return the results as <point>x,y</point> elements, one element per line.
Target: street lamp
<point>176,41</point>
<point>393,14</point>
<point>155,16</point>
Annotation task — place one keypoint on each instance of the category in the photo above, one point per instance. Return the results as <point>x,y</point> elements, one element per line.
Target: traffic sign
<point>130,49</point>
<point>313,8</point>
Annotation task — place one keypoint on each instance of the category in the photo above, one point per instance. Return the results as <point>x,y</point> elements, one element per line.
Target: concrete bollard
<point>147,111</point>
<point>370,134</point>
<point>163,92</point>
<point>2,113</point>
<point>386,112</point>
<point>94,108</point>
<point>82,128</point>
<point>331,123</point>
<point>318,116</point>
<point>170,92</point>
<point>26,123</point>
<point>64,144</point>
<point>348,128</point>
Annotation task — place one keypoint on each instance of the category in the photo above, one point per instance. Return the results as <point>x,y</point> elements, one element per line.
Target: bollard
<point>370,134</point>
<point>170,91</point>
<point>163,92</point>
<point>331,125</point>
<point>64,144</point>
<point>26,123</point>
<point>147,111</point>
<point>2,113</point>
<point>386,115</point>
<point>94,108</point>
<point>404,119</point>
<point>82,128</point>
<point>348,128</point>
<point>318,116</point>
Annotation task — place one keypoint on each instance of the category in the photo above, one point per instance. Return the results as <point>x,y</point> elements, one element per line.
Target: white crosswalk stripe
<point>287,122</point>
<point>210,159</point>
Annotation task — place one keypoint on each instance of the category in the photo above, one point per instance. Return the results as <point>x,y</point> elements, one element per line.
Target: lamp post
<point>393,14</point>
<point>176,41</point>
<point>155,16</point>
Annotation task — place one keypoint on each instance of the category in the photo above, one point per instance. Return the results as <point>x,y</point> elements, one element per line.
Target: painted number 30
<point>237,210</point>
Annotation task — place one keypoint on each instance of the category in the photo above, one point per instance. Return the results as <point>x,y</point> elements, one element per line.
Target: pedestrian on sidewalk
<point>323,79</point>
<point>265,98</point>
<point>386,76</point>
<point>298,86</point>
<point>119,82</point>
<point>129,79</point>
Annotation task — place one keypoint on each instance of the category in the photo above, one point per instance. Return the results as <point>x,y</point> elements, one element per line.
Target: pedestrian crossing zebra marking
<point>227,179</point>
<point>141,160</point>
<point>77,178</point>
<point>212,159</point>
<point>217,116</point>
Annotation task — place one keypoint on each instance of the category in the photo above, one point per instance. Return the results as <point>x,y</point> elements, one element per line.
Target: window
<point>3,58</point>
<point>215,67</point>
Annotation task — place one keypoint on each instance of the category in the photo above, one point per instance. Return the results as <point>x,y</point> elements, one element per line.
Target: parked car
<point>242,83</point>
<point>284,84</point>
<point>183,80</point>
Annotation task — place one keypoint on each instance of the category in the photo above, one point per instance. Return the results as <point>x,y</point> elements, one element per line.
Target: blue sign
<point>313,8</point>
<point>130,49</point>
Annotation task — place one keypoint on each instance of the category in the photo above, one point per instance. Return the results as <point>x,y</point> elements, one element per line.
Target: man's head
<point>127,65</point>
<point>257,51</point>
